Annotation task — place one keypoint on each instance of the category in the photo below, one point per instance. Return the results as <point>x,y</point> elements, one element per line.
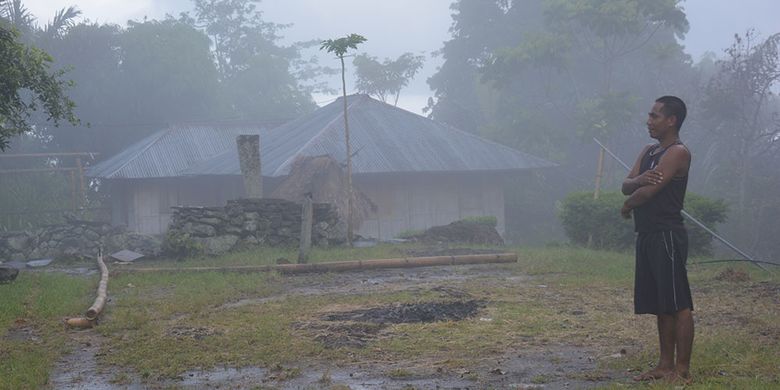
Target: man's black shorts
<point>661,280</point>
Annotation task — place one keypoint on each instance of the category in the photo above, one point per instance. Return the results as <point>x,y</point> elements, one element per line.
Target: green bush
<point>180,245</point>
<point>597,222</point>
<point>708,211</point>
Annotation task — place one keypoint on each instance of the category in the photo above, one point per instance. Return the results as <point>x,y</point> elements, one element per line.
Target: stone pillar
<point>249,159</point>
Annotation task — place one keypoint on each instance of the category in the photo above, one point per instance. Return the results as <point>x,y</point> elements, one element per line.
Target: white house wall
<point>404,202</point>
<point>408,203</point>
<point>144,206</point>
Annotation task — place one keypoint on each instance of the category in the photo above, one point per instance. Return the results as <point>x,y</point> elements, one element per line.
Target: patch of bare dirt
<point>732,275</point>
<point>80,369</point>
<point>193,332</point>
<point>767,290</point>
<point>411,312</point>
<point>332,336</point>
<point>553,367</point>
<point>22,330</point>
<point>383,281</point>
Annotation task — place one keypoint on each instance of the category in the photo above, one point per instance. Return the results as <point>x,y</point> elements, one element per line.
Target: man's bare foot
<point>654,374</point>
<point>679,378</point>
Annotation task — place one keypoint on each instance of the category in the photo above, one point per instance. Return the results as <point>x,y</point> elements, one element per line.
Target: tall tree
<point>28,84</point>
<point>339,47</point>
<point>742,114</point>
<point>18,16</point>
<point>544,76</point>
<point>478,28</point>
<point>385,79</point>
<point>554,66</point>
<point>255,72</point>
<point>134,81</point>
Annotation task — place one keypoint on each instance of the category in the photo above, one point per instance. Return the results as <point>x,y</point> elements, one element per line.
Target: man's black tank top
<point>662,211</point>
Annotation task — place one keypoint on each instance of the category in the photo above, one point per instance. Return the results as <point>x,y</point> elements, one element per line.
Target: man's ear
<point>672,121</point>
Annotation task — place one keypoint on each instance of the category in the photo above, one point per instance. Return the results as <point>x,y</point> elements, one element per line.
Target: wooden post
<point>83,187</point>
<point>306,222</point>
<point>73,190</point>
<point>599,174</point>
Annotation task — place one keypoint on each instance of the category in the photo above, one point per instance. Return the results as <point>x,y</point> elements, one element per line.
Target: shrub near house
<point>597,222</point>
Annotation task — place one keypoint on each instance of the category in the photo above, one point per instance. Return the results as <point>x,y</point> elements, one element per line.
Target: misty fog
<point>541,77</point>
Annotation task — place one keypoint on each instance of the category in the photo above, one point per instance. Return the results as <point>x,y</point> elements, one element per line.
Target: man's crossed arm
<point>642,188</point>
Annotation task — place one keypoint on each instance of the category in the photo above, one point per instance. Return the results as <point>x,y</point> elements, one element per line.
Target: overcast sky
<point>418,26</point>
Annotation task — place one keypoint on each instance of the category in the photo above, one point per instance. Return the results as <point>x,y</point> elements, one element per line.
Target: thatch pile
<point>323,178</point>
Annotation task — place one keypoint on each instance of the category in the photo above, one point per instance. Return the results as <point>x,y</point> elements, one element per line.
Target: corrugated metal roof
<point>384,139</point>
<point>169,152</point>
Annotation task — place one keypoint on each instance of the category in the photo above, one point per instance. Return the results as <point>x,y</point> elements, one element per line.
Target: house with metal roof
<point>418,172</point>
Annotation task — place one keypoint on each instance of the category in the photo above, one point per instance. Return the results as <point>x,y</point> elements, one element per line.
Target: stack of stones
<point>245,223</point>
<point>241,224</point>
<point>75,239</point>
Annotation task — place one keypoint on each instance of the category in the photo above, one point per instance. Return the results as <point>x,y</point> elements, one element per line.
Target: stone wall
<point>246,223</point>
<point>75,239</point>
<point>243,223</point>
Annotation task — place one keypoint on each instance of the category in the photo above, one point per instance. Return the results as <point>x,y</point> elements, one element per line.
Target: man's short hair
<point>673,106</point>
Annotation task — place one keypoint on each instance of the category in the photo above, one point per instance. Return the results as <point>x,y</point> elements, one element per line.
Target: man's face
<point>659,124</point>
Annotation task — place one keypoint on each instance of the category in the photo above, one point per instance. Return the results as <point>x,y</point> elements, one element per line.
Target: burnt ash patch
<point>357,328</point>
<point>411,313</point>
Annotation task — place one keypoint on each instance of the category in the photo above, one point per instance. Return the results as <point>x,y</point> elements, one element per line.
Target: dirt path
<point>553,368</point>
<point>80,369</point>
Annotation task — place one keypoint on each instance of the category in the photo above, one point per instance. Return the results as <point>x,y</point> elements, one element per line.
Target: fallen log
<point>94,311</point>
<point>343,266</point>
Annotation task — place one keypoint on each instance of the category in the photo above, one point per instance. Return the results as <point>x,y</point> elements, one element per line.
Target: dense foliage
<point>597,222</point>
<point>27,84</point>
<point>546,76</point>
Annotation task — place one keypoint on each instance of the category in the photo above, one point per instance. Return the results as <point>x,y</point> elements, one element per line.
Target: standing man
<point>656,188</point>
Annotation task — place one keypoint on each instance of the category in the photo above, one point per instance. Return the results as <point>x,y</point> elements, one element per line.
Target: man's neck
<point>669,139</point>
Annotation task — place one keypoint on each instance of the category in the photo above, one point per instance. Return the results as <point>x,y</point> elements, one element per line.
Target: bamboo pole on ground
<point>343,266</point>
<point>94,311</point>
<point>97,307</point>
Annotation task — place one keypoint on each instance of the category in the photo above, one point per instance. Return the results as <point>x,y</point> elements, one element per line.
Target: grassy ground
<point>158,326</point>
<point>32,334</point>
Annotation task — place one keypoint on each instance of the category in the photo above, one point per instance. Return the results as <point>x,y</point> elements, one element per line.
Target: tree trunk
<point>349,156</point>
